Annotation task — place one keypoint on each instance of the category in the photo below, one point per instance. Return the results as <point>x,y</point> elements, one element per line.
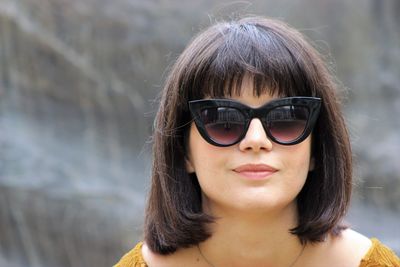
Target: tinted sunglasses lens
<point>287,123</point>
<point>223,125</point>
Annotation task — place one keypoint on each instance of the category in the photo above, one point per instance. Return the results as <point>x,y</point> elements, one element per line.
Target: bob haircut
<point>279,61</point>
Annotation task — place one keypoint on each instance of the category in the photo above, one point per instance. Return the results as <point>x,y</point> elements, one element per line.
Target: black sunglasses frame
<point>313,105</point>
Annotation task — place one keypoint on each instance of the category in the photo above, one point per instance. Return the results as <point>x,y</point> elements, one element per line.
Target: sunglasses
<point>286,121</point>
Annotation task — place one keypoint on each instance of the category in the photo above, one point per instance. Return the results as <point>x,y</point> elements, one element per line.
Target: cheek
<point>297,160</point>
<point>201,155</point>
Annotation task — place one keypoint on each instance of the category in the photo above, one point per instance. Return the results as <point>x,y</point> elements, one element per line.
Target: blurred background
<point>78,79</point>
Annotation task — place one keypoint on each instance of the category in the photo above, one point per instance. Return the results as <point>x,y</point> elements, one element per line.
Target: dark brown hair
<point>279,60</point>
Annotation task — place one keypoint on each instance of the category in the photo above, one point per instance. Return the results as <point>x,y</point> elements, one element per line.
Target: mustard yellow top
<point>377,256</point>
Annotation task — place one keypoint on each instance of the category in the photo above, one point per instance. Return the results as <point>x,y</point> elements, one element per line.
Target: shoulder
<point>142,256</point>
<point>354,250</point>
<point>181,257</point>
<point>133,258</point>
<point>371,251</point>
<point>346,249</point>
<point>355,244</point>
<point>350,247</point>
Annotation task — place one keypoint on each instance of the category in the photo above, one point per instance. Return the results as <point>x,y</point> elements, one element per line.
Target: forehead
<point>235,54</point>
<point>247,95</point>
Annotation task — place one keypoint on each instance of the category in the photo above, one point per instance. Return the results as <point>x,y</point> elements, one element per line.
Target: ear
<point>312,164</point>
<point>189,165</point>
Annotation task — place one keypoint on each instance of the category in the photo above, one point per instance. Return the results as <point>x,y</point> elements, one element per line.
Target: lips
<point>255,171</point>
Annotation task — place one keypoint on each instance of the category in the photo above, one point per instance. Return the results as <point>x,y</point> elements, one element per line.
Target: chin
<point>267,206</point>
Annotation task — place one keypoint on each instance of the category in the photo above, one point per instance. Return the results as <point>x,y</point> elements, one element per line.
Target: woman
<point>252,160</point>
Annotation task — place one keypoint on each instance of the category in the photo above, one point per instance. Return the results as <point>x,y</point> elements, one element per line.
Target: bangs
<point>276,65</point>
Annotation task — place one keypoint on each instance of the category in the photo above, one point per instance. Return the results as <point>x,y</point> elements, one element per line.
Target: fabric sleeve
<point>380,255</point>
<point>133,258</point>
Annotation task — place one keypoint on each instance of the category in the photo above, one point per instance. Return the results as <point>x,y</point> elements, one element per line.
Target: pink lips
<point>255,171</point>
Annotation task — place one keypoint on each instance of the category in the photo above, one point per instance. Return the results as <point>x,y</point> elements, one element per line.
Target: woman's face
<point>253,175</point>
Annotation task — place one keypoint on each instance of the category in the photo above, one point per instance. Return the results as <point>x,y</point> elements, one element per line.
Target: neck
<point>254,239</point>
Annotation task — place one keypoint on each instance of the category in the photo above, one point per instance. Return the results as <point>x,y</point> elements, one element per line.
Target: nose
<point>256,139</point>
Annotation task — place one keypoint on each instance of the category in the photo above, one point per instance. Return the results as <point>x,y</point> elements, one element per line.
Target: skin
<point>255,215</point>
<point>226,191</point>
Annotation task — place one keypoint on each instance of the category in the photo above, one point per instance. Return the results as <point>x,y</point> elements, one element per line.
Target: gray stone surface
<point>78,80</point>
